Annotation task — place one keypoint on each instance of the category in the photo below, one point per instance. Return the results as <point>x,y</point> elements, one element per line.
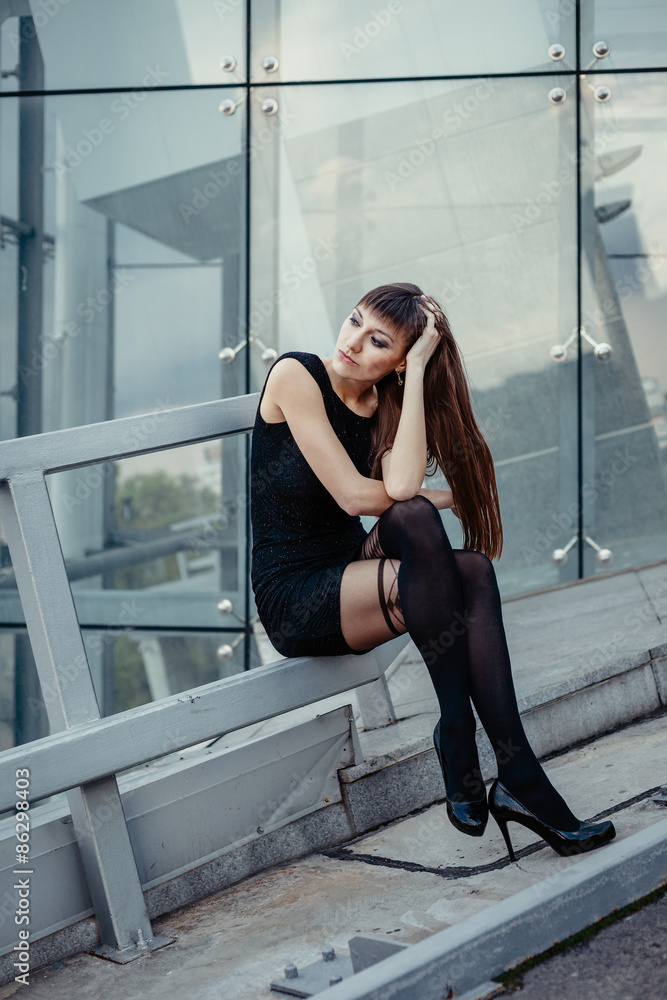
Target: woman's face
<point>368,348</point>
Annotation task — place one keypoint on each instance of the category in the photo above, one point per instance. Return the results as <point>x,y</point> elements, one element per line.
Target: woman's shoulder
<point>292,364</point>
<point>313,362</point>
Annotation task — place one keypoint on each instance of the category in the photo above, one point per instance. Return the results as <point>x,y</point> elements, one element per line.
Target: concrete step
<point>410,880</point>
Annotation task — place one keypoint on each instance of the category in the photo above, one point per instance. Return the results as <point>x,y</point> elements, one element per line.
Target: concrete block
<point>592,710</point>
<point>393,791</point>
<point>659,667</point>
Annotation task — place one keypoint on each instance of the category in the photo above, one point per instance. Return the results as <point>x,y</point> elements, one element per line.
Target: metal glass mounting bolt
<point>556,51</point>
<point>602,93</point>
<point>560,556</point>
<point>557,95</point>
<point>228,63</point>
<point>559,351</point>
<point>227,107</point>
<point>270,64</point>
<point>602,351</point>
<point>269,106</point>
<point>228,354</point>
<point>601,49</point>
<point>268,353</point>
<point>604,557</point>
<point>224,652</point>
<point>225,606</point>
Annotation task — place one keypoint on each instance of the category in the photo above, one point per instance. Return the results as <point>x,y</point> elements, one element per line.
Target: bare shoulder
<point>288,382</point>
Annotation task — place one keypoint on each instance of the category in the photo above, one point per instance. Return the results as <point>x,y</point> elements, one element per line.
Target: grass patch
<point>513,978</point>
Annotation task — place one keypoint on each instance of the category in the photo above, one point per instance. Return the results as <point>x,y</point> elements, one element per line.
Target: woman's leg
<point>451,606</point>
<point>421,569</point>
<point>492,692</point>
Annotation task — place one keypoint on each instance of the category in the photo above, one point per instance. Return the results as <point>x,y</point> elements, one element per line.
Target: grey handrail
<point>84,752</point>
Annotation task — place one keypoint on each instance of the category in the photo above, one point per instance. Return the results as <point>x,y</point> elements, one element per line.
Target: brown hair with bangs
<point>455,443</point>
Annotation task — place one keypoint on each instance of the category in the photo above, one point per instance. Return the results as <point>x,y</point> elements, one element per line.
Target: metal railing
<point>84,751</point>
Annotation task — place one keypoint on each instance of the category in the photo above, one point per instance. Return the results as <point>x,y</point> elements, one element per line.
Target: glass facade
<point>189,188</point>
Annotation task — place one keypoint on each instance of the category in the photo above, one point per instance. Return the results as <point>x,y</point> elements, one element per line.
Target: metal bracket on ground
<point>124,955</point>
<point>365,950</point>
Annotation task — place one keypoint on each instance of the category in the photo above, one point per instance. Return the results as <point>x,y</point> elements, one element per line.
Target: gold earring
<point>400,380</point>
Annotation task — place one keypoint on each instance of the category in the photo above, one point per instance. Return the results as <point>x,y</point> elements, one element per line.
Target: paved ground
<point>625,961</point>
<point>407,880</point>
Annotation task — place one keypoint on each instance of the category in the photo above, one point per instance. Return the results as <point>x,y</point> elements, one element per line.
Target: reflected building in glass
<point>190,188</point>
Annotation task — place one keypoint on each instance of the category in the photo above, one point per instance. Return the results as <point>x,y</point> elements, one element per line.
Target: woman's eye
<point>378,343</point>
<point>354,320</point>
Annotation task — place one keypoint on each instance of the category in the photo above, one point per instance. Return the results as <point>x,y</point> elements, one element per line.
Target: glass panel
<point>481,215</point>
<point>131,43</point>
<point>635,33</point>
<point>150,542</point>
<point>624,269</point>
<point>123,279</point>
<point>128,667</point>
<point>135,282</point>
<point>347,40</point>
<point>138,667</point>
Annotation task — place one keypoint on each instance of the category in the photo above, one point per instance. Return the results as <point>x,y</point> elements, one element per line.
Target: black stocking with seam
<point>450,603</point>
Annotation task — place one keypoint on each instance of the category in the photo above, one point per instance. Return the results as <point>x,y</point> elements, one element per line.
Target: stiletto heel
<point>504,807</point>
<point>506,835</point>
<point>468,817</point>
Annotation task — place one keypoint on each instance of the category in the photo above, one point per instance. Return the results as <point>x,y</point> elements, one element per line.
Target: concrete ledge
<point>507,933</point>
<point>400,771</point>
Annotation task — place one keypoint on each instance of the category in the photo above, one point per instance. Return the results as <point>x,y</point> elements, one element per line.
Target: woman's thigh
<point>370,610</point>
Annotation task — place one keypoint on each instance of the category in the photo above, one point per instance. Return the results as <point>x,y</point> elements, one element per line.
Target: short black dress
<point>302,539</point>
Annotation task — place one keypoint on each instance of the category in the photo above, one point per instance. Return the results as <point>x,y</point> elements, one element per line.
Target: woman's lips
<point>345,357</point>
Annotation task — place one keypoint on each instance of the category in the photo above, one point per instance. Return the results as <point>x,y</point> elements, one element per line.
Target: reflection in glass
<point>635,34</point>
<point>131,43</point>
<point>477,208</point>
<point>625,293</point>
<point>416,38</point>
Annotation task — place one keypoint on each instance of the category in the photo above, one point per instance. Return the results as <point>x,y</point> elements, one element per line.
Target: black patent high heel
<point>468,817</point>
<point>504,807</point>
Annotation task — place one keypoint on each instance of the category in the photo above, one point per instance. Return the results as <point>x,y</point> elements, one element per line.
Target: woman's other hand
<point>423,348</point>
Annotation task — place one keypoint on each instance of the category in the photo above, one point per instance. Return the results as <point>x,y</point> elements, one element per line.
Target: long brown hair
<point>454,441</point>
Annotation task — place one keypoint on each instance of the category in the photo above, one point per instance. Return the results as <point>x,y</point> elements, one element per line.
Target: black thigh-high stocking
<point>450,603</point>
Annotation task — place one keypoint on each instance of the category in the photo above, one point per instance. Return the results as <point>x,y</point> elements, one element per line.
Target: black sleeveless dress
<point>302,539</point>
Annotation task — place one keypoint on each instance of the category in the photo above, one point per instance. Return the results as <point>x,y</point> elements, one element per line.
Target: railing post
<point>69,697</point>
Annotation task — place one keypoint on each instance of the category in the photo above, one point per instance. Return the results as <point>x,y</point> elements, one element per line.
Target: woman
<point>355,434</point>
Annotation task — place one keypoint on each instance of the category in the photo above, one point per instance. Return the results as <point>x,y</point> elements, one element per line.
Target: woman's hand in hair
<point>423,348</point>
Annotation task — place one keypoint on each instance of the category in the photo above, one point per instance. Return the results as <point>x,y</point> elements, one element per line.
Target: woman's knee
<point>476,568</point>
<point>418,510</point>
<point>414,523</point>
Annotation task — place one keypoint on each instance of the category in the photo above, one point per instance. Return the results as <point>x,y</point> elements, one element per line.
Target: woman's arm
<point>299,398</point>
<point>442,499</point>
